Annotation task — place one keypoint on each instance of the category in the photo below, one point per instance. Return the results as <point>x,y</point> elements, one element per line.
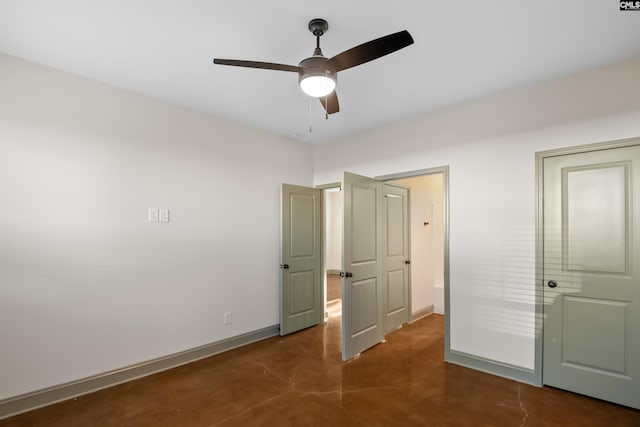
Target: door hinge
<point>284,266</point>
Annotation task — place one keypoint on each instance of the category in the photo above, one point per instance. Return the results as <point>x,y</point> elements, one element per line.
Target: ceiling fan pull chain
<point>310,128</point>
<point>326,102</point>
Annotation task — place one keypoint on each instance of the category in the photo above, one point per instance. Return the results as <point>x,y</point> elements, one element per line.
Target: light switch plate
<point>164,215</point>
<point>153,215</point>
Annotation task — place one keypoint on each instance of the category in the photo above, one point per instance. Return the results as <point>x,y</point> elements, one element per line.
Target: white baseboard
<point>37,399</point>
<point>428,310</point>
<point>516,373</point>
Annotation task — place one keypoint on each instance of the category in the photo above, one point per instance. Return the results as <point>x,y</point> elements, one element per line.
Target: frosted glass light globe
<point>317,86</point>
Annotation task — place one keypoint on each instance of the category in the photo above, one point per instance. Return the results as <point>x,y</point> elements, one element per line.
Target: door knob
<point>407,262</point>
<point>552,283</point>
<point>285,266</point>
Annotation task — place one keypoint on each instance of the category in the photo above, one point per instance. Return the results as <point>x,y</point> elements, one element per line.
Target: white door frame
<point>539,279</point>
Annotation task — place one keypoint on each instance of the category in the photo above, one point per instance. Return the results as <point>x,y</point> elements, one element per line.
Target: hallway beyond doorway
<point>334,290</point>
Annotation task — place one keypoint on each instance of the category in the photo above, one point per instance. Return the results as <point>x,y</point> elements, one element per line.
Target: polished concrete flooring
<point>299,380</point>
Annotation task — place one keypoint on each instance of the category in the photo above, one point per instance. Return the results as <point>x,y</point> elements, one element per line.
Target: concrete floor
<point>299,380</point>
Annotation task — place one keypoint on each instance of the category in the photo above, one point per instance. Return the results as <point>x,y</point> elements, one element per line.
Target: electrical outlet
<point>227,318</point>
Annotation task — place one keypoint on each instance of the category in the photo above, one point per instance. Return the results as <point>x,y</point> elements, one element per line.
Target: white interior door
<point>301,304</point>
<point>395,243</point>
<point>591,274</point>
<point>362,287</point>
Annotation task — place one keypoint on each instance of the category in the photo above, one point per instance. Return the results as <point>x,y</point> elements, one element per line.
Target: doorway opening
<point>427,239</point>
<point>369,245</point>
<point>426,230</point>
<point>333,213</point>
<point>440,293</point>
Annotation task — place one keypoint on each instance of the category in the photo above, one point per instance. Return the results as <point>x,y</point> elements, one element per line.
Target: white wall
<point>87,285</point>
<point>490,145</point>
<point>427,241</point>
<point>333,231</point>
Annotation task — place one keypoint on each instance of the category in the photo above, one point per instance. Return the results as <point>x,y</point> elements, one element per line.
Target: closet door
<point>592,274</point>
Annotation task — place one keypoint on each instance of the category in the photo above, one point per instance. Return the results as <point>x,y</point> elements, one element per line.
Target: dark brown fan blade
<point>255,64</point>
<point>370,50</point>
<point>330,103</point>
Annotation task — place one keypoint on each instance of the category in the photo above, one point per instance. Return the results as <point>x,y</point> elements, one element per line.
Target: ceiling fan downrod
<point>318,27</point>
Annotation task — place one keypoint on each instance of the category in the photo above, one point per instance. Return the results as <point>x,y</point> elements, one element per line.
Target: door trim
<point>539,238</point>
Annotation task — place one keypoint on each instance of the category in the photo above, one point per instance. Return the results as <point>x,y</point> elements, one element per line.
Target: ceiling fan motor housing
<point>320,78</point>
<point>316,66</point>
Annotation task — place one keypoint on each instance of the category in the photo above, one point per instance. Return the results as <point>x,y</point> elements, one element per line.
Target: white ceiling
<point>463,50</point>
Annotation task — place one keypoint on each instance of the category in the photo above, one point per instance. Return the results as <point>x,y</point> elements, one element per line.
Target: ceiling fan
<point>318,75</point>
